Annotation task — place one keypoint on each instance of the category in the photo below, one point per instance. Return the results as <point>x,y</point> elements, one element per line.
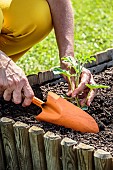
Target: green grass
<point>93,33</point>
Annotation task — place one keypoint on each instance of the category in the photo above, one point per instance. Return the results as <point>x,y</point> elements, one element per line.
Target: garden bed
<point>101,109</point>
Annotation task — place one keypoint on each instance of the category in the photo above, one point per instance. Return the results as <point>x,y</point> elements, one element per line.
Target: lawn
<point>93,33</point>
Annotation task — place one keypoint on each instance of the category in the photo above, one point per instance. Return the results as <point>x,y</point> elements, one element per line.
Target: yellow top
<point>23,23</point>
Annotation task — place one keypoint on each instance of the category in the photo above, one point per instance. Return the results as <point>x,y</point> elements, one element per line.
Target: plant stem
<point>77,101</point>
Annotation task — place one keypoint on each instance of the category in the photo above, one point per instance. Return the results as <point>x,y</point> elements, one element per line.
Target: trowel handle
<point>37,101</point>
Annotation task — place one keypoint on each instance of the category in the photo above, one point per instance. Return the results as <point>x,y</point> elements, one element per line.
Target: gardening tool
<point>59,111</point>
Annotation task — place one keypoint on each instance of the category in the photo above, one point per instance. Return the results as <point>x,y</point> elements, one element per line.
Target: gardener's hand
<point>81,91</point>
<point>86,78</point>
<point>13,82</point>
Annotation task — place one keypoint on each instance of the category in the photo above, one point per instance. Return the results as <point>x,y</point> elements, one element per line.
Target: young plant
<point>77,64</point>
<point>92,87</point>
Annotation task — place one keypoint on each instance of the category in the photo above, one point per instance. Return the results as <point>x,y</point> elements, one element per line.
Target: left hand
<point>13,82</point>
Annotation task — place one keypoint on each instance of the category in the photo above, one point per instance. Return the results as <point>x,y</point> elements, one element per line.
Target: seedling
<point>92,87</point>
<point>77,64</point>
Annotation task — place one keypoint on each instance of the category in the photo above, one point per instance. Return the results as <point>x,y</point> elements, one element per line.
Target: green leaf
<point>70,60</point>
<point>96,86</point>
<point>58,70</point>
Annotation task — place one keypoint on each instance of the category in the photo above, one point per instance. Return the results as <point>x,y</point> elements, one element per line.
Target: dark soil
<point>101,109</point>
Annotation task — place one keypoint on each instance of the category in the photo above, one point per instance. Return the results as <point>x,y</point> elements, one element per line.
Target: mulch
<point>101,109</point>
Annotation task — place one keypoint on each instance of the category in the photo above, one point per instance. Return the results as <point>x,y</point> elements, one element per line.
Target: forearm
<point>63,22</point>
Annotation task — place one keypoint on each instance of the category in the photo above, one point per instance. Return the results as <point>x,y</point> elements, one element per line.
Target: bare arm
<point>63,23</point>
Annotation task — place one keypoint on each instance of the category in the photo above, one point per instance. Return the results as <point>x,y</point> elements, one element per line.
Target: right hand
<point>13,82</point>
<point>86,78</point>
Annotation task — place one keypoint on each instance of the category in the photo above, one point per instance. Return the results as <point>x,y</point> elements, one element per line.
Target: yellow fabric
<point>26,22</point>
<point>1,19</point>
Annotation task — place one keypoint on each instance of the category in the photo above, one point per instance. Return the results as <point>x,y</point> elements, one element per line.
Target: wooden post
<point>112,163</point>
<point>33,79</point>
<point>69,157</point>
<point>9,143</point>
<point>23,145</point>
<point>103,160</point>
<point>2,160</point>
<point>53,151</point>
<point>85,157</point>
<point>45,76</point>
<point>37,148</point>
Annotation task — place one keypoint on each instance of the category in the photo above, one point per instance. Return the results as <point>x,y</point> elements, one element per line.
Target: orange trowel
<point>59,111</point>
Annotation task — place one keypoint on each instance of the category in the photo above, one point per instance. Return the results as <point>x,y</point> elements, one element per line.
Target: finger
<point>9,90</point>
<point>17,94</point>
<point>91,97</point>
<point>2,87</point>
<point>83,101</point>
<point>28,93</point>
<point>3,79</point>
<point>84,80</point>
<point>82,95</point>
<point>1,90</point>
<point>7,94</point>
<point>69,88</point>
<point>92,80</point>
<point>16,85</point>
<point>92,93</point>
<point>69,92</point>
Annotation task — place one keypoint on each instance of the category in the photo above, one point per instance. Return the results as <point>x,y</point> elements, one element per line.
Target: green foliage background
<point>93,33</point>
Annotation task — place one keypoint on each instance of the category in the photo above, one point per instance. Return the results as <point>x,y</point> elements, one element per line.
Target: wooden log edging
<point>102,159</point>
<point>104,60</point>
<point>23,145</point>
<point>8,140</point>
<point>53,151</point>
<point>69,154</point>
<point>37,147</point>
<point>85,157</point>
<point>2,157</point>
<point>29,148</point>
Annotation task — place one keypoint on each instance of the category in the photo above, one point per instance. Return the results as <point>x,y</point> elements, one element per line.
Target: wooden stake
<point>37,148</point>
<point>9,143</point>
<point>23,145</point>
<point>112,163</point>
<point>85,157</point>
<point>53,151</point>
<point>2,161</point>
<point>103,160</point>
<point>69,157</point>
